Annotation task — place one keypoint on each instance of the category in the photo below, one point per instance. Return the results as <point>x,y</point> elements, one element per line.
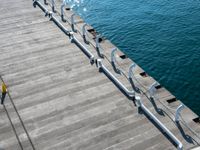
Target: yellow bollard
<point>3,91</point>
<point>4,88</point>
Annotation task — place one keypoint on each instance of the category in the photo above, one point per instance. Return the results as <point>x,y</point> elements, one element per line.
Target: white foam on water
<point>79,6</point>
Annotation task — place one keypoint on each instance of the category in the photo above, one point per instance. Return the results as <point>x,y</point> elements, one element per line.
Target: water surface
<point>162,36</point>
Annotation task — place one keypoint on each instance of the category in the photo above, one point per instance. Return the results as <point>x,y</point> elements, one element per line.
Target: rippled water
<point>162,36</point>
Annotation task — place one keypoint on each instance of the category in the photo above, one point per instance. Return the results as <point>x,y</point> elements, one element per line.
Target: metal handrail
<point>53,6</point>
<point>152,90</point>
<point>52,17</point>
<point>62,10</point>
<point>119,71</point>
<point>178,112</point>
<point>80,45</point>
<point>100,65</point>
<point>67,32</point>
<point>130,72</point>
<point>161,125</point>
<point>45,2</point>
<point>114,61</point>
<point>84,33</point>
<point>98,47</point>
<point>73,23</point>
<point>39,4</point>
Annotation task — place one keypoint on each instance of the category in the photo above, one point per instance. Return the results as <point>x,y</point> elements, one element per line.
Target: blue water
<point>162,36</point>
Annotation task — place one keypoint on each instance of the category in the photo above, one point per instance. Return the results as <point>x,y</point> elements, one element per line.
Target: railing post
<point>50,15</point>
<point>73,23</point>
<point>130,72</point>
<point>99,63</point>
<point>45,2</point>
<point>3,93</point>
<point>113,61</point>
<point>62,11</point>
<point>138,101</point>
<point>97,42</point>
<point>98,48</point>
<point>53,5</point>
<point>178,111</point>
<point>71,36</point>
<point>152,90</point>
<point>130,76</point>
<point>84,33</point>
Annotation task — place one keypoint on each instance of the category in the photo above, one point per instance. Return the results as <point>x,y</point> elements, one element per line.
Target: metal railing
<point>84,49</point>
<point>161,125</point>
<point>73,22</point>
<point>114,61</point>
<point>98,47</point>
<point>178,112</point>
<point>84,33</point>
<point>58,23</point>
<point>62,10</point>
<point>39,4</point>
<point>100,65</point>
<point>120,71</point>
<point>152,90</point>
<point>67,32</point>
<point>45,2</point>
<point>53,6</point>
<point>97,39</point>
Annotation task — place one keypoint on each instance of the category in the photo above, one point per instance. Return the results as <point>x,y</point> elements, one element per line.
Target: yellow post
<point>3,88</point>
<point>4,91</point>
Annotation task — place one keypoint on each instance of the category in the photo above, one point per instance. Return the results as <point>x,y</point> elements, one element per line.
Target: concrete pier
<point>58,100</point>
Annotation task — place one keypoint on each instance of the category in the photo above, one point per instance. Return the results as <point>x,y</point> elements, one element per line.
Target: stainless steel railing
<point>158,122</point>
<point>100,65</point>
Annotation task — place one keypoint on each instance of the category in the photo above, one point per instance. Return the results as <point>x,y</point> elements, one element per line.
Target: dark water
<point>162,36</point>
